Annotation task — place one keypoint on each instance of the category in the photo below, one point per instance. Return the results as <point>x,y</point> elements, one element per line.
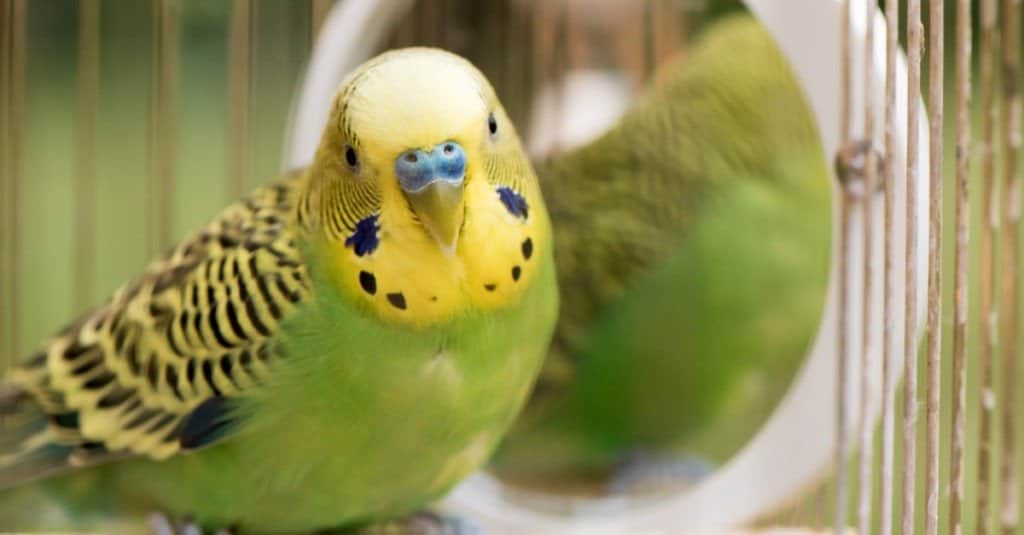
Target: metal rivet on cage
<point>851,165</point>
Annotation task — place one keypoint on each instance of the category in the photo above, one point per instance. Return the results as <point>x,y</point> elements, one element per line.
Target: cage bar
<point>84,231</point>
<point>889,306</point>
<point>163,125</point>
<point>1008,314</point>
<point>6,268</point>
<point>865,424</point>
<point>666,30</point>
<point>990,224</point>
<point>13,58</point>
<point>650,10</point>
<point>845,230</point>
<point>318,12</point>
<point>915,45</point>
<point>516,62</point>
<point>555,57</point>
<point>960,274</point>
<point>239,93</point>
<point>936,57</point>
<point>6,329</point>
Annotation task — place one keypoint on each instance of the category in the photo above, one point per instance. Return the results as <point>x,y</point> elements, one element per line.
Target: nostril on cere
<point>418,168</point>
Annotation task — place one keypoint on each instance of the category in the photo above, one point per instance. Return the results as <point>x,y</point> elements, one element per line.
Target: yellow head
<point>420,193</point>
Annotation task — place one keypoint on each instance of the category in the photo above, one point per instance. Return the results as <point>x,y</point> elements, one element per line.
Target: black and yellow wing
<point>149,372</point>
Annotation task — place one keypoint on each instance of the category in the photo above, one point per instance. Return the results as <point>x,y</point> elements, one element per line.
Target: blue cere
<point>514,202</point>
<point>364,240</point>
<point>417,169</point>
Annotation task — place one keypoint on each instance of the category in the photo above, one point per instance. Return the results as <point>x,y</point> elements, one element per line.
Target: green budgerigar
<point>342,346</point>
<point>691,244</point>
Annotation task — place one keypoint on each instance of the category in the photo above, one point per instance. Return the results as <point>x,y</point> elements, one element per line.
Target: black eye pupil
<point>350,157</point>
<point>492,124</point>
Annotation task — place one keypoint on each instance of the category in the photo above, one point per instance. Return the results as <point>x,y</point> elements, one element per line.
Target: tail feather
<point>31,447</point>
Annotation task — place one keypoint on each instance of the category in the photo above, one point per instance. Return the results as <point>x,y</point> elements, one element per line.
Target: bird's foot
<point>161,524</point>
<point>425,523</point>
<point>648,472</point>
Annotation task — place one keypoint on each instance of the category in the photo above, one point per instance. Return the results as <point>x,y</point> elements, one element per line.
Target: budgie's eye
<point>350,157</point>
<point>492,124</point>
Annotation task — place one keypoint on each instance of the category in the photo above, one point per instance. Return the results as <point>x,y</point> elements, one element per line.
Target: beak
<point>432,182</point>
<point>439,207</point>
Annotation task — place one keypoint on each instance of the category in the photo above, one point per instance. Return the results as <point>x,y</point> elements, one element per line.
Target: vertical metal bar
<point>963,218</point>
<point>527,13</point>
<point>865,425</point>
<point>910,340</point>
<point>539,50</point>
<point>990,224</point>
<point>170,57</point>
<point>842,439</point>
<point>650,46</point>
<point>1009,256</point>
<point>663,21</point>
<point>153,103</point>
<point>84,230</point>
<point>514,54</point>
<point>162,125</point>
<point>888,310</point>
<point>19,51</point>
<point>845,74</point>
<point>152,133</point>
<point>936,57</point>
<point>239,56</point>
<point>846,205</point>
<point>565,40</point>
<point>636,48</point>
<point>6,266</point>
<point>668,23</point>
<point>15,37</point>
<point>318,12</point>
<point>6,228</point>
<point>683,27</point>
<point>8,190</point>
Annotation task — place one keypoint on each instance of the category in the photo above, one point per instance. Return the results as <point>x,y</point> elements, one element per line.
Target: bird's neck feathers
<point>389,265</point>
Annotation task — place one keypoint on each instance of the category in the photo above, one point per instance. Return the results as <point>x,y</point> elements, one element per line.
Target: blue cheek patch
<point>514,202</point>
<point>364,240</point>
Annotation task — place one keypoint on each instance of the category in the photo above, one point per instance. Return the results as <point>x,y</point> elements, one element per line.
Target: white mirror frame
<point>795,448</point>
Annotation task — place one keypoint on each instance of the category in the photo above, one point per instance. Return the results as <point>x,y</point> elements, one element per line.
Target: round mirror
<point>683,150</point>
